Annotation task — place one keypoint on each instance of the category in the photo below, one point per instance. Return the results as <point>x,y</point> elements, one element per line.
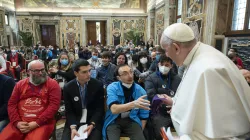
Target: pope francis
<point>212,101</point>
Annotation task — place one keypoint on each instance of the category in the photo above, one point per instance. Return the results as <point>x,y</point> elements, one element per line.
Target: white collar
<point>190,55</point>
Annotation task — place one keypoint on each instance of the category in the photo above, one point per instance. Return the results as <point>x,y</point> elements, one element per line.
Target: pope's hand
<point>169,100</point>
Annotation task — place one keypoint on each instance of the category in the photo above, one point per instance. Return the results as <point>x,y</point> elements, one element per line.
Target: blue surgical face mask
<point>94,57</point>
<point>157,57</point>
<point>64,62</point>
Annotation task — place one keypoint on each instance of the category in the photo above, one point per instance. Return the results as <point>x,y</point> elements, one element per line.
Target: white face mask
<point>127,85</point>
<point>13,51</point>
<point>144,60</point>
<point>164,70</point>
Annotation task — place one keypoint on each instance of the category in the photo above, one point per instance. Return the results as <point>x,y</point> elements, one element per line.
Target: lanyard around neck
<point>167,85</point>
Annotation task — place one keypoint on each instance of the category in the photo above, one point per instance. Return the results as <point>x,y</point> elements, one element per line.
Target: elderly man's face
<point>37,73</point>
<point>173,51</point>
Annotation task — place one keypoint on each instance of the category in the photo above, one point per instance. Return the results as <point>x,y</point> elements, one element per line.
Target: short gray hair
<point>33,62</point>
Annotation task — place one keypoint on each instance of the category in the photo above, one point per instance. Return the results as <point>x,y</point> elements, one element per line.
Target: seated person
<point>94,61</point>
<point>159,52</point>
<point>6,87</point>
<point>83,96</point>
<point>32,106</point>
<point>120,59</point>
<point>163,81</point>
<point>128,110</point>
<point>105,73</point>
<point>16,61</point>
<point>63,73</point>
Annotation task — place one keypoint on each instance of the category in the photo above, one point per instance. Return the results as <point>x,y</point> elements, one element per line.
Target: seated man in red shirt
<point>32,106</point>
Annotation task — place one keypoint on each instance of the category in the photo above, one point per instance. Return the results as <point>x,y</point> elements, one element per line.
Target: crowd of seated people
<point>111,89</point>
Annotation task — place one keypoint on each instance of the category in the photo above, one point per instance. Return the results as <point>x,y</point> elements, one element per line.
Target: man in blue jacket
<point>128,108</point>
<point>6,87</point>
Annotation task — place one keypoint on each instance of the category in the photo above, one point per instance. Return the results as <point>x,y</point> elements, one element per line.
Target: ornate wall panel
<point>2,21</point>
<point>121,26</point>
<point>221,21</point>
<point>70,31</point>
<point>193,15</point>
<point>159,23</point>
<point>2,27</point>
<point>25,23</point>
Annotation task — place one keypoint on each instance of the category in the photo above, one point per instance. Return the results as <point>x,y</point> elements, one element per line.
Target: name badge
<point>84,116</point>
<point>61,84</point>
<point>13,64</point>
<point>125,114</point>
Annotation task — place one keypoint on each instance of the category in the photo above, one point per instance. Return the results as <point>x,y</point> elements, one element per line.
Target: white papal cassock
<point>213,99</point>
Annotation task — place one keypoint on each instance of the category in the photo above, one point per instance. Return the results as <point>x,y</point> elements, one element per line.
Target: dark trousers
<point>159,121</point>
<point>127,127</point>
<point>94,135</point>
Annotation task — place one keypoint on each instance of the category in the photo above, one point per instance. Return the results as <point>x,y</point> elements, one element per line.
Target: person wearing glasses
<point>84,98</point>
<point>128,107</point>
<point>32,106</point>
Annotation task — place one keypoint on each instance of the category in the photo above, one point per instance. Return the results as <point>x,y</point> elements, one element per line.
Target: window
<point>6,19</point>
<point>239,14</point>
<point>179,11</point>
<point>249,23</point>
<point>240,17</point>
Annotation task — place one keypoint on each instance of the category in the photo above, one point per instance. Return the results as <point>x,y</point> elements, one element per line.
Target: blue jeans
<point>3,123</point>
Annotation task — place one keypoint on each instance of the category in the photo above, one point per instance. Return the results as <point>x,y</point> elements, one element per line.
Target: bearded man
<point>32,106</point>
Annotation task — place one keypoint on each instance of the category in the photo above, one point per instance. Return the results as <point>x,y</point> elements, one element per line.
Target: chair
<point>23,72</point>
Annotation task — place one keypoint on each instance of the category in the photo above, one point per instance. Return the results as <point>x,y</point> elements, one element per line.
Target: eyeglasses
<point>37,71</point>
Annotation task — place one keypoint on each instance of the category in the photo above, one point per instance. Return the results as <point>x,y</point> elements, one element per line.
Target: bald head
<point>35,64</point>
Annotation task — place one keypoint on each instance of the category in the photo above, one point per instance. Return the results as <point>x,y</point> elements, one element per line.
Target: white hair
<point>33,62</point>
<point>167,41</point>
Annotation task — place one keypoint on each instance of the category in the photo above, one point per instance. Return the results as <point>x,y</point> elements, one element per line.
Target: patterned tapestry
<point>194,7</point>
<point>27,25</point>
<point>2,20</point>
<point>70,30</point>
<point>121,26</point>
<point>159,23</point>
